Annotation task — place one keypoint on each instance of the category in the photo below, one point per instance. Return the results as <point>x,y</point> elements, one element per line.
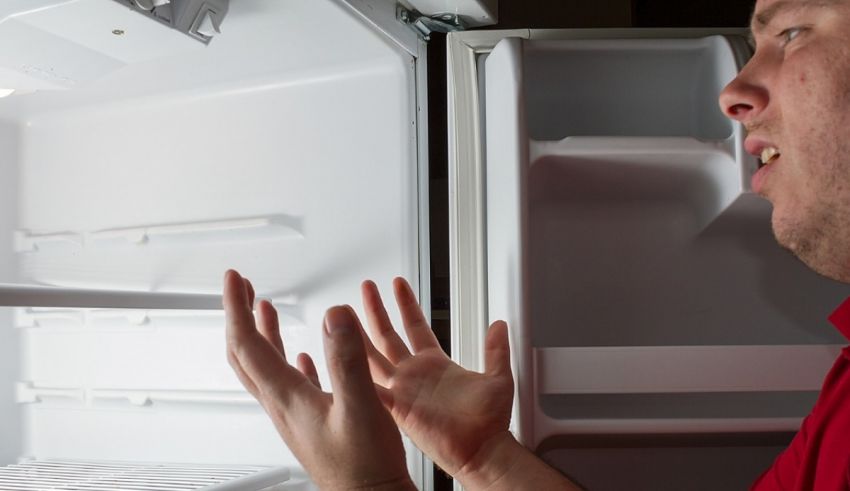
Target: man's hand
<point>452,414</point>
<point>346,440</point>
<point>457,417</point>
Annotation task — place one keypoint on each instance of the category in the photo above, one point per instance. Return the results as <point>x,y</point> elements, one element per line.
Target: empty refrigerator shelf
<point>676,389</point>
<point>44,475</point>
<point>251,229</point>
<point>546,426</point>
<point>124,318</point>
<point>45,296</point>
<point>77,318</point>
<point>650,87</point>
<point>609,172</point>
<point>691,369</point>
<point>682,405</point>
<point>27,393</point>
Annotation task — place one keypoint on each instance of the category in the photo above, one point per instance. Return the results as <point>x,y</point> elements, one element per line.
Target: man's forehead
<point>766,10</point>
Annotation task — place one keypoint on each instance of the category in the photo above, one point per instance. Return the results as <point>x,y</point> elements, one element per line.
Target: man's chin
<point>812,247</point>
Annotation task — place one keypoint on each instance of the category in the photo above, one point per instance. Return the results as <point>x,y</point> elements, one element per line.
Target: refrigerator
<point>598,201</point>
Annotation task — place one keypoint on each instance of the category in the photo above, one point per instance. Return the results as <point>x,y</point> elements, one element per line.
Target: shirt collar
<point>841,318</point>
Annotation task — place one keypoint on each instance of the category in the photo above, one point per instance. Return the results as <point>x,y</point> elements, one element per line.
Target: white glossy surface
<point>10,415</point>
<point>286,149</point>
<point>74,42</point>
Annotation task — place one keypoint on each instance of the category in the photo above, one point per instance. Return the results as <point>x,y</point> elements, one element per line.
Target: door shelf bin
<point>634,87</point>
<point>682,369</point>
<point>676,389</point>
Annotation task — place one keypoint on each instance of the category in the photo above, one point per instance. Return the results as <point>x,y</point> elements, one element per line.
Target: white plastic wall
<point>285,149</point>
<point>10,415</point>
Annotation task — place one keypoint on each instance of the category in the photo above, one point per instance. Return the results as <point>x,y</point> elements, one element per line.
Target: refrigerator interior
<point>135,158</point>
<point>657,327</point>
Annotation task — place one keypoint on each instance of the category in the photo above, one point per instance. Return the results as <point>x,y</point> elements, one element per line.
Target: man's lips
<point>755,146</point>
<point>758,179</point>
<point>767,153</point>
<point>765,150</point>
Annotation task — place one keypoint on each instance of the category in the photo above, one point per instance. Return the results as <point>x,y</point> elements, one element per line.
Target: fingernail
<point>338,321</point>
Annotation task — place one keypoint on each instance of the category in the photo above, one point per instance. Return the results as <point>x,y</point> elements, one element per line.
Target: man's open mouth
<point>768,155</point>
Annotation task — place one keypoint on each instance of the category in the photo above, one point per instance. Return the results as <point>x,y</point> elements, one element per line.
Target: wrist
<point>400,484</point>
<point>492,463</point>
<point>503,463</point>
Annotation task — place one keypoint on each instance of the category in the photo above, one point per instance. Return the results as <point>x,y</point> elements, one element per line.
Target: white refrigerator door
<point>602,207</point>
<point>136,162</point>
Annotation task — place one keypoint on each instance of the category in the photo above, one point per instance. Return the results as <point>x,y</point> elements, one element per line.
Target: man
<point>794,98</point>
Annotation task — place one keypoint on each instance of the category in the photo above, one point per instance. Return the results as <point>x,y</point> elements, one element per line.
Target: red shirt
<point>818,458</point>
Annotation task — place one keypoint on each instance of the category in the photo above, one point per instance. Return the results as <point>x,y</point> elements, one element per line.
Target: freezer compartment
<point>638,272</point>
<point>286,148</point>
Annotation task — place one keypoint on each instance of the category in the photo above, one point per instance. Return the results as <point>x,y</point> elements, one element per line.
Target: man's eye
<point>789,34</point>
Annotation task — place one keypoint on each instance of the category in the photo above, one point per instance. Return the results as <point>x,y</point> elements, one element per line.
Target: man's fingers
<point>308,368</point>
<point>415,325</point>
<point>267,324</point>
<point>381,367</point>
<point>497,353</point>
<point>388,341</point>
<point>250,354</point>
<point>250,289</point>
<point>237,308</point>
<point>347,363</point>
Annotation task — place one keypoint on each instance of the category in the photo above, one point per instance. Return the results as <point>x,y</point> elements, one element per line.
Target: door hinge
<point>424,25</point>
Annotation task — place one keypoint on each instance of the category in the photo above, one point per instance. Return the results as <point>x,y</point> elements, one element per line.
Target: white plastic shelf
<point>704,385</point>
<point>251,229</point>
<point>27,393</point>
<point>44,475</point>
<point>682,369</point>
<point>548,427</point>
<point>44,296</point>
<point>78,318</point>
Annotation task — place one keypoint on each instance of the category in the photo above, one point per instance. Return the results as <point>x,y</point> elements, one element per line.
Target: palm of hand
<point>448,411</point>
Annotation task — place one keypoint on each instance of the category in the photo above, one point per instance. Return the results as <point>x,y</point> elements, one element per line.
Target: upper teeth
<point>769,154</point>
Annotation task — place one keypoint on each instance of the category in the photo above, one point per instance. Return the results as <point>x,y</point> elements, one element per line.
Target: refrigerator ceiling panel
<point>72,43</point>
<point>263,41</point>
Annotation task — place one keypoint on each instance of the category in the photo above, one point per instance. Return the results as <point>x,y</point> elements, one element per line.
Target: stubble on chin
<point>820,244</point>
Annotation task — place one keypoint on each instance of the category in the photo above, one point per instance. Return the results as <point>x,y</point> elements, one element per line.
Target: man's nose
<point>744,98</point>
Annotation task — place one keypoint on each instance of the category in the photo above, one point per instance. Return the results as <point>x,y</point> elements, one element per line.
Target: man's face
<point>794,97</point>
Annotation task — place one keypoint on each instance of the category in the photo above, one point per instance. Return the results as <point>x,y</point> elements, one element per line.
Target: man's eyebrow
<point>762,19</point>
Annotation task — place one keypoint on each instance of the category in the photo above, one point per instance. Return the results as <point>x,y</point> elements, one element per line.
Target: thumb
<point>348,366</point>
<point>497,352</point>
